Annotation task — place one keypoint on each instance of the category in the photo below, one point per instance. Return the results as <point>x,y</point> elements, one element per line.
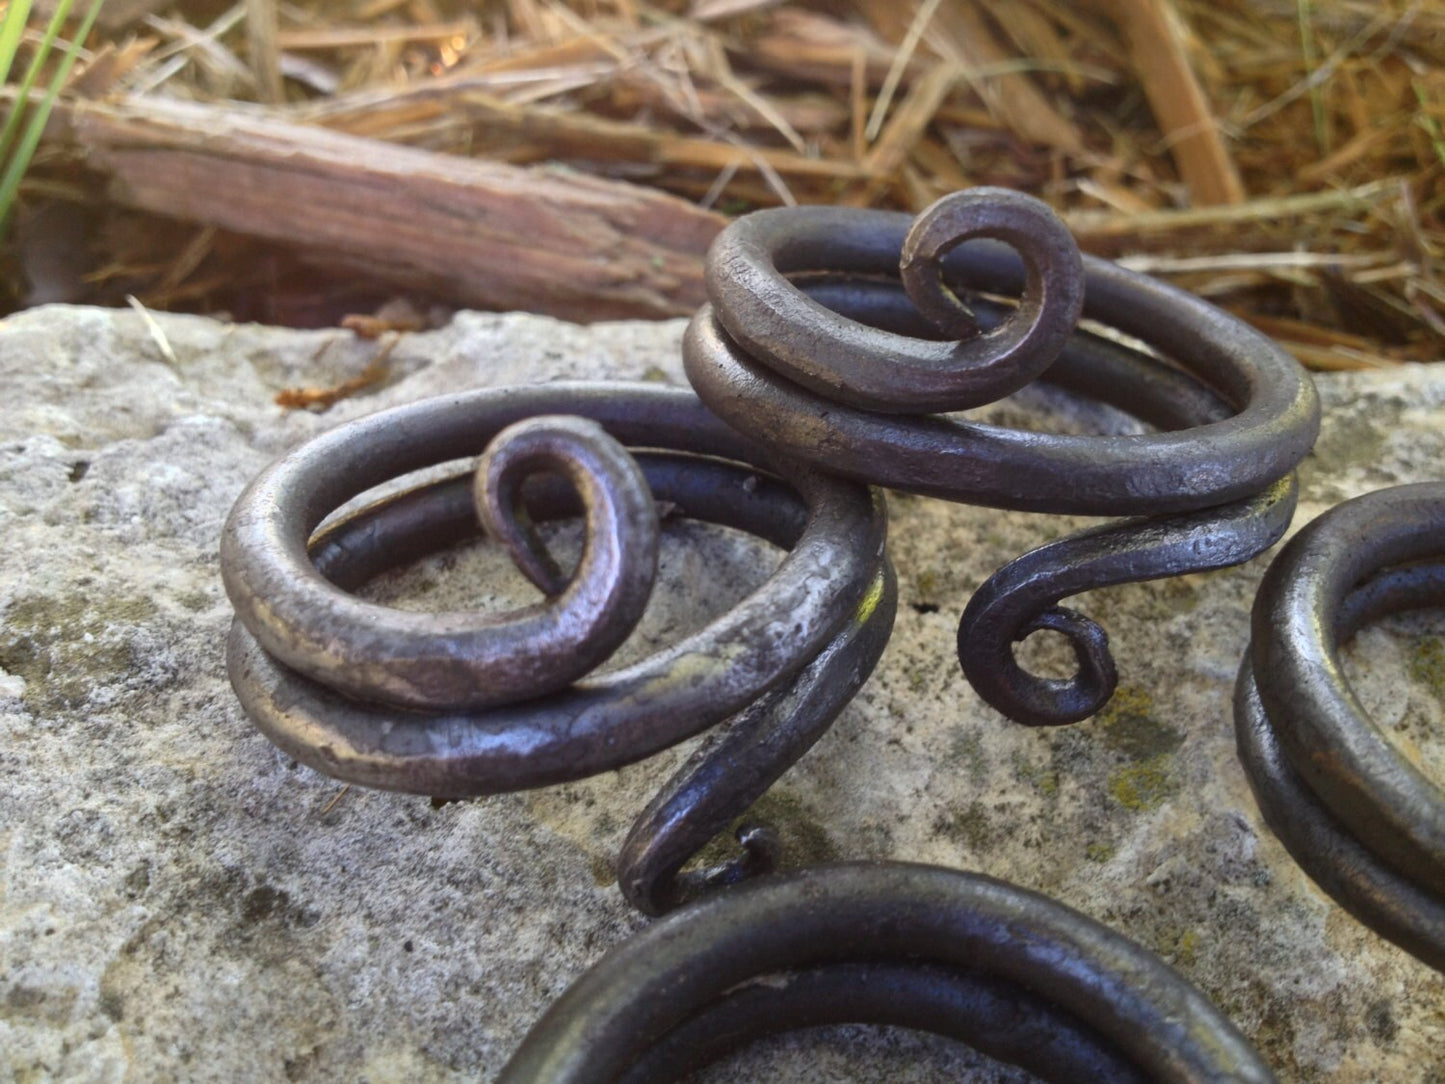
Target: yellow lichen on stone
<point>1427,664</point>
<point>1042,779</point>
<point>1128,725</point>
<point>1180,947</point>
<point>926,582</point>
<point>1142,786</point>
<point>1127,700</point>
<point>805,840</point>
<point>1099,852</point>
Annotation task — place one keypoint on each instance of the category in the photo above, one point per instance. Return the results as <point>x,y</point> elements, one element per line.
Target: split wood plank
<point>483,234</point>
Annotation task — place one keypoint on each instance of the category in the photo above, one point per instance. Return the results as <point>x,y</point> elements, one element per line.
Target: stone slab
<point>178,900</point>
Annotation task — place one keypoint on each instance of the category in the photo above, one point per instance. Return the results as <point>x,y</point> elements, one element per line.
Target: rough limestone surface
<point>179,900</point>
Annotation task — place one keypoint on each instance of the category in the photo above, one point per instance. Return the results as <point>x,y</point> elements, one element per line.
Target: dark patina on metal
<point>1363,821</point>
<point>1015,974</point>
<point>817,345</point>
<point>462,704</point>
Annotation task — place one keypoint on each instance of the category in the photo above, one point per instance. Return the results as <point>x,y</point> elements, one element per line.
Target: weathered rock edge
<point>180,901</point>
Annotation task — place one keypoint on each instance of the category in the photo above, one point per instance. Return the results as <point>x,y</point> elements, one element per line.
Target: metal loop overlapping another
<point>835,347</point>
<point>841,336</point>
<point>1015,974</point>
<point>461,704</point>
<point>1364,822</point>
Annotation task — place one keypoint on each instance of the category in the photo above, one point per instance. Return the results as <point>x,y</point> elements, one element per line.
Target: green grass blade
<point>22,94</point>
<point>1304,14</point>
<point>17,15</point>
<point>20,160</point>
<point>1428,122</point>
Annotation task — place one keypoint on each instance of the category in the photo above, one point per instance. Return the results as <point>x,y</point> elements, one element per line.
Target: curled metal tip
<point>753,265</point>
<point>620,556</point>
<point>760,851</point>
<point>1022,598</point>
<point>457,705</point>
<point>1053,290</point>
<point>1029,699</point>
<point>814,346</point>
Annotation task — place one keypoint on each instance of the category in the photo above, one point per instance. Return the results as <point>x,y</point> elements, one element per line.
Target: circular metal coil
<point>1366,824</point>
<point>1015,974</point>
<point>463,704</point>
<point>816,346</point>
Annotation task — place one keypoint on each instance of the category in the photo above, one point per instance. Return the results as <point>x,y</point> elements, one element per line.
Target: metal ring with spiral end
<point>817,345</point>
<point>1015,974</point>
<point>462,704</point>
<point>1365,823</point>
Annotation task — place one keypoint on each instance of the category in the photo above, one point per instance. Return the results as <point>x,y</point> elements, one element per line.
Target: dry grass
<point>1282,157</point>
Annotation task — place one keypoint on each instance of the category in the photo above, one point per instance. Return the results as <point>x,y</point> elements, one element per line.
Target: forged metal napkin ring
<point>1014,973</point>
<point>390,699</point>
<point>1364,823</point>
<point>813,347</point>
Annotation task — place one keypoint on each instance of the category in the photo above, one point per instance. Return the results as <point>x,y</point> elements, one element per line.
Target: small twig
<point>366,326</point>
<point>339,795</point>
<point>1152,29</point>
<point>187,39</point>
<point>762,107</point>
<point>190,257</point>
<point>765,169</point>
<point>1307,51</point>
<point>857,100</point>
<point>319,399</point>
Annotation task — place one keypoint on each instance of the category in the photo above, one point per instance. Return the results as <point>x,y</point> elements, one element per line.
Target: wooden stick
<point>1177,100</point>
<point>482,234</point>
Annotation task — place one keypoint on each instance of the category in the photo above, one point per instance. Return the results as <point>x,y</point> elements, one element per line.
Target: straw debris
<point>1282,157</point>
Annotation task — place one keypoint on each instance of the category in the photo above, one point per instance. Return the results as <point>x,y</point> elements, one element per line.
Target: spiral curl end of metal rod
<point>1053,295</point>
<point>621,533</point>
<point>874,368</point>
<point>461,704</point>
<point>822,341</point>
<point>1013,973</point>
<point>1365,823</point>
<point>1021,598</point>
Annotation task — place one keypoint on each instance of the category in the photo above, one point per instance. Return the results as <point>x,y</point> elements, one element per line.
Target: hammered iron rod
<point>1013,973</point>
<point>1365,823</point>
<point>824,340</point>
<point>462,704</point>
